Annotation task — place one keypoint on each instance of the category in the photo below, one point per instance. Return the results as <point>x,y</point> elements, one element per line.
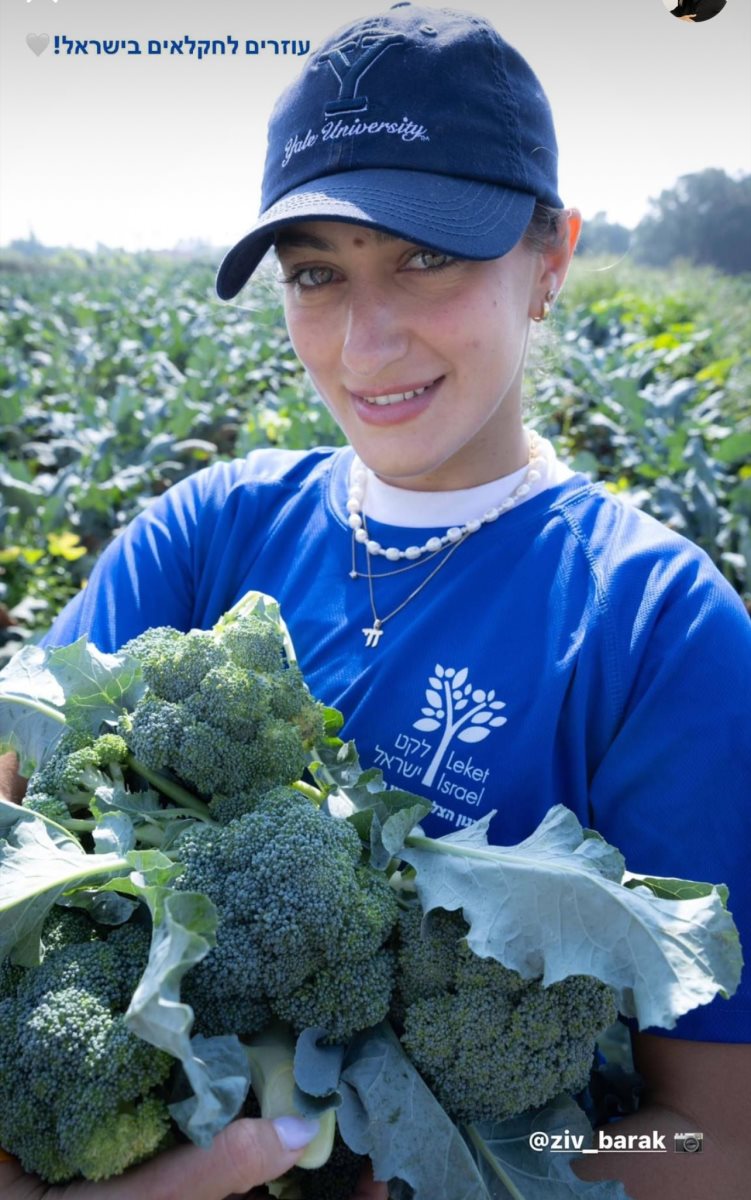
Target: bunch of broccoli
<point>207,764</point>
<point>81,1094</point>
<point>489,1043</point>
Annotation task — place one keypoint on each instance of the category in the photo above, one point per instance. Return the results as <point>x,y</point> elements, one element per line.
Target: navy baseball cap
<point>422,122</point>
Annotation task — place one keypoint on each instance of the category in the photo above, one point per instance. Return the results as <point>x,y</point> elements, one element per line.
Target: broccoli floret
<point>226,808</point>
<point>110,749</point>
<point>277,753</point>
<point>233,699</point>
<point>73,772</point>
<point>173,663</point>
<point>224,712</point>
<point>67,927</point>
<point>153,731</point>
<point>302,925</point>
<point>122,1139</point>
<point>428,951</point>
<point>10,978</point>
<point>51,807</point>
<point>210,760</point>
<point>79,1093</point>
<point>342,999</point>
<point>253,643</point>
<point>490,1044</point>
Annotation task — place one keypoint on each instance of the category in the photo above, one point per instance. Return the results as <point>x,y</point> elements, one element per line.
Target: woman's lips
<point>393,413</point>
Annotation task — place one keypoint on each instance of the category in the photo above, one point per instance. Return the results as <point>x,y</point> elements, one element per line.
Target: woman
<point>499,633</point>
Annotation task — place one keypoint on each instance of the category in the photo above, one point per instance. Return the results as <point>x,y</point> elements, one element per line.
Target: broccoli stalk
<point>170,788</point>
<point>271,1054</point>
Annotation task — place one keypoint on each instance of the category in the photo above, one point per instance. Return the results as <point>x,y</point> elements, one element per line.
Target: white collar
<point>428,510</point>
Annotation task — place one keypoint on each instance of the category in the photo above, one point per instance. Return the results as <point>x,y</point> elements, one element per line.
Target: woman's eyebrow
<point>294,239</point>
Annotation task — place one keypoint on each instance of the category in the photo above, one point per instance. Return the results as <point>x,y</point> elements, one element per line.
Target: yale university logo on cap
<point>349,62</point>
<point>346,114</point>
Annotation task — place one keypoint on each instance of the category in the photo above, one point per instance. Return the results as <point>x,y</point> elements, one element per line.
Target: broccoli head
<point>79,1093</point>
<point>490,1044</point>
<point>225,712</point>
<point>302,925</point>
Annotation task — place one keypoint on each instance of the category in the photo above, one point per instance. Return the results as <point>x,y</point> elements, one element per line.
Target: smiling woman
<point>418,354</point>
<point>501,635</point>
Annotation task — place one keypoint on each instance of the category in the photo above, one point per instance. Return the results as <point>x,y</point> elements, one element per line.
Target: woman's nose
<point>376,333</point>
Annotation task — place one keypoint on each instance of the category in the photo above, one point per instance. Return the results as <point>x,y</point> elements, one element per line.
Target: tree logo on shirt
<point>459,709</point>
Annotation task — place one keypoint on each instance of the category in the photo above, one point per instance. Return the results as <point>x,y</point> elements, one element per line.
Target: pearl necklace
<point>454,535</point>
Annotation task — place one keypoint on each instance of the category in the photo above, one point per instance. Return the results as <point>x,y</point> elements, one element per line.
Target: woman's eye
<point>431,260</point>
<point>310,277</point>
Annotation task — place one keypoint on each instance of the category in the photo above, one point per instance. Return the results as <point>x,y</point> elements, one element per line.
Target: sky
<point>146,151</point>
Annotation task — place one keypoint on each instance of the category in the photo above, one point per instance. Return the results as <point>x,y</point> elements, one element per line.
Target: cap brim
<point>455,216</point>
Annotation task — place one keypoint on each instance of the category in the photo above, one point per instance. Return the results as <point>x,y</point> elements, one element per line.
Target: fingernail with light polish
<point>295,1132</point>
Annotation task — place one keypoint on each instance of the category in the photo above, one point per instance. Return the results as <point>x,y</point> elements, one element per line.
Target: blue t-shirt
<point>575,651</point>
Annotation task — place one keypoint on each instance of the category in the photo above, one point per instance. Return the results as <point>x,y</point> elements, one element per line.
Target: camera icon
<point>688,1143</point>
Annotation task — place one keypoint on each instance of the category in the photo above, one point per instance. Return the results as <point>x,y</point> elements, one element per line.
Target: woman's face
<point>372,317</point>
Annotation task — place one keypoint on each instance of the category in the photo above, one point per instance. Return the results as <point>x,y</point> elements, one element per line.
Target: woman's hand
<point>242,1156</point>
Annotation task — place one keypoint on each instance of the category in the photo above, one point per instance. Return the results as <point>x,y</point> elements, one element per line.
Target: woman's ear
<point>556,260</point>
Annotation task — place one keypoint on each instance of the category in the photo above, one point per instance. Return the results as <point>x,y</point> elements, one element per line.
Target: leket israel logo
<point>460,710</point>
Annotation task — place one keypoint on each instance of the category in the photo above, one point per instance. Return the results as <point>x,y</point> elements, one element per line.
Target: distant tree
<point>601,236</point>
<point>31,247</point>
<point>704,217</point>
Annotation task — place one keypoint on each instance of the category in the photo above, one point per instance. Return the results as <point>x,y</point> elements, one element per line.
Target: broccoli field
<point>208,908</point>
<point>121,374</point>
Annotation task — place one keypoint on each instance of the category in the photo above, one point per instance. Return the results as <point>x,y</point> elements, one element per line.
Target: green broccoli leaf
<point>114,834</point>
<point>96,686</point>
<point>42,691</point>
<point>675,889</point>
<point>511,1167</point>
<point>115,901</point>
<point>318,1066</point>
<point>39,862</point>
<point>382,816</point>
<point>104,907</point>
<point>549,907</point>
<point>31,702</point>
<point>272,1055</point>
<point>118,799</point>
<point>387,836</point>
<point>217,1068</point>
<point>390,1114</point>
<point>151,873</point>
